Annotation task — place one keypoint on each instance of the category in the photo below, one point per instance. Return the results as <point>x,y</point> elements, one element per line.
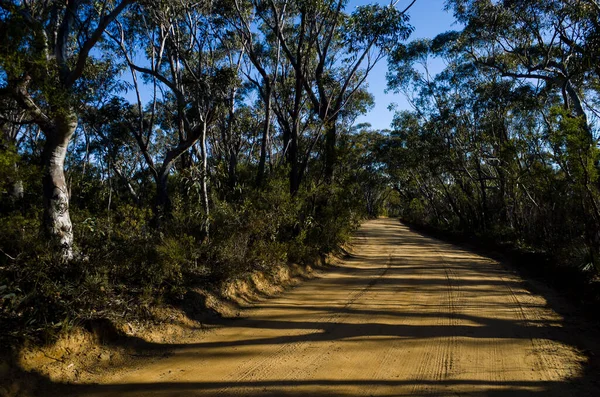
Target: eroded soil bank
<point>404,315</point>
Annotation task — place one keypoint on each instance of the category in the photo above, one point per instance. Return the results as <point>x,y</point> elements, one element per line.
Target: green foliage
<point>573,145</point>
<point>8,169</point>
<point>386,26</point>
<point>503,145</point>
<point>35,292</point>
<point>164,192</point>
<point>125,263</point>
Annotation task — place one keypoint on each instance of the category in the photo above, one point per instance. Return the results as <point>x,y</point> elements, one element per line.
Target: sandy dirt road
<point>405,315</point>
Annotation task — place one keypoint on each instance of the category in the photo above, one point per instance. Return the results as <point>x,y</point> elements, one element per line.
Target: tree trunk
<point>203,187</point>
<point>453,204</point>
<point>162,204</point>
<point>232,170</point>
<point>330,151</point>
<point>127,183</point>
<point>265,140</point>
<point>579,111</point>
<point>57,221</point>
<point>7,140</point>
<point>483,207</point>
<point>18,190</point>
<point>293,160</point>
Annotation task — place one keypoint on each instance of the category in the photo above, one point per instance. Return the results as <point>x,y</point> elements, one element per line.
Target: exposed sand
<point>405,315</point>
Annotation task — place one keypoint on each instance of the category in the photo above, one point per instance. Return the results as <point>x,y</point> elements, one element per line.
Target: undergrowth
<point>124,264</point>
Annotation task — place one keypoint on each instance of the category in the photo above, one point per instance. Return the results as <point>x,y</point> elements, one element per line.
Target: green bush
<point>124,262</point>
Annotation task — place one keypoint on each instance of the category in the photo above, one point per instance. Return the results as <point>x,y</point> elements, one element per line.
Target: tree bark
<point>294,182</point>
<point>484,206</point>
<point>8,137</point>
<point>330,151</point>
<point>265,139</point>
<point>162,206</point>
<point>18,190</point>
<point>127,183</point>
<point>232,169</point>
<point>203,187</point>
<point>57,221</point>
<point>293,160</point>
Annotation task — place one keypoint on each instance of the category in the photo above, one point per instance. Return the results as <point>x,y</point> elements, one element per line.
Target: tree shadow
<point>324,387</point>
<point>345,321</point>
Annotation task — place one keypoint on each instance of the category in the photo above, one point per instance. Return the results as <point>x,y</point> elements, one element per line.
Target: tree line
<point>151,145</point>
<point>503,143</point>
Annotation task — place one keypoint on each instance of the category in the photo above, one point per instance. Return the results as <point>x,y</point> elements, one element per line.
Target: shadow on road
<point>411,273</point>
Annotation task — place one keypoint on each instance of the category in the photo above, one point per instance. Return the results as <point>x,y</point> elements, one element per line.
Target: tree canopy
<point>152,146</point>
<point>504,142</point>
<point>148,147</point>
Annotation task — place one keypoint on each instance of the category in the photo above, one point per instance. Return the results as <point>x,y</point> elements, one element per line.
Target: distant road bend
<point>405,315</point>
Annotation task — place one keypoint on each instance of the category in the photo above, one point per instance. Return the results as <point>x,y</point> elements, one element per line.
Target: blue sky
<point>429,19</point>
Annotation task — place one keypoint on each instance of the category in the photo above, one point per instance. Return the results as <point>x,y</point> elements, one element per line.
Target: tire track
<point>408,316</point>
<point>266,364</point>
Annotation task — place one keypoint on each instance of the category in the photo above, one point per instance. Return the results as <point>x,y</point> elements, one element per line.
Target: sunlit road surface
<point>404,315</point>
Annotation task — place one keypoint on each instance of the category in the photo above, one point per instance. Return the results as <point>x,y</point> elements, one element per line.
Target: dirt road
<point>405,315</point>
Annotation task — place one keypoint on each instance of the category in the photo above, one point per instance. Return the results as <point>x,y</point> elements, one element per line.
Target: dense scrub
<point>149,147</point>
<point>146,148</point>
<point>124,262</point>
<point>503,143</point>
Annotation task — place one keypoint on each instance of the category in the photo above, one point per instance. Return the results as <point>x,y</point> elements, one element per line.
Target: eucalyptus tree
<point>13,122</point>
<point>180,50</point>
<point>295,120</point>
<point>532,40</point>
<point>108,140</point>
<point>264,63</point>
<point>280,88</point>
<point>362,165</point>
<point>279,83</point>
<point>441,131</point>
<point>504,140</point>
<point>553,43</point>
<point>332,52</point>
<point>234,51</point>
<point>48,69</point>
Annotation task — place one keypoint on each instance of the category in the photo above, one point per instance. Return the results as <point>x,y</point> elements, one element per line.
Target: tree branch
<point>91,42</point>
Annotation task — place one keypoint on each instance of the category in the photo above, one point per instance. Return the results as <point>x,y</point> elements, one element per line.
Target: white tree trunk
<point>204,189</point>
<point>56,194</point>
